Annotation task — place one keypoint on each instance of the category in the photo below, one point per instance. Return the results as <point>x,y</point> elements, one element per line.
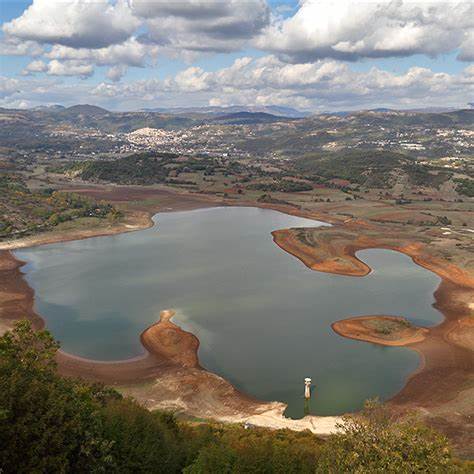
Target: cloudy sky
<point>314,55</point>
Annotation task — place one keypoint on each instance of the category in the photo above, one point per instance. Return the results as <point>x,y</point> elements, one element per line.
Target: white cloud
<point>326,84</point>
<point>34,67</point>
<point>119,34</point>
<point>130,53</point>
<point>193,79</point>
<point>351,29</point>
<point>115,73</point>
<point>69,68</point>
<point>178,26</point>
<point>467,47</point>
<point>8,86</point>
<point>74,23</point>
<point>202,25</point>
<point>305,67</point>
<point>11,46</point>
<point>119,57</point>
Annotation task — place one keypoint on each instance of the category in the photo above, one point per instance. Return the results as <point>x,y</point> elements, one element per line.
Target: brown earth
<point>167,346</point>
<point>363,329</point>
<point>333,250</point>
<point>16,296</point>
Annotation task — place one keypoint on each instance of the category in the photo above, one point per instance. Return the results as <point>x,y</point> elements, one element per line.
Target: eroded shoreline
<point>454,298</point>
<point>158,381</point>
<point>442,388</point>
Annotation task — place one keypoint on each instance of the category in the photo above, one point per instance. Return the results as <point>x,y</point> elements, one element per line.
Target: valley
<point>405,201</point>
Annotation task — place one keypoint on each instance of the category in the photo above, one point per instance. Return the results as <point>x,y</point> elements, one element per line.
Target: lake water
<point>262,317</point>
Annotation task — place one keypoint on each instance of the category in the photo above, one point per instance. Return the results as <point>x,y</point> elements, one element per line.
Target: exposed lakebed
<point>262,317</point>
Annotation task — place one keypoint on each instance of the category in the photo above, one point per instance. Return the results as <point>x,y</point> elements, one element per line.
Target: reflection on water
<point>262,317</point>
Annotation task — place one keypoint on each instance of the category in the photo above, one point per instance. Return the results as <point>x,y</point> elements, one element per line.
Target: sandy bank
<point>333,251</point>
<point>364,328</point>
<point>328,256</point>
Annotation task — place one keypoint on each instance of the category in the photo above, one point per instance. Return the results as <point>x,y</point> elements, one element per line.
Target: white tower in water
<point>307,388</point>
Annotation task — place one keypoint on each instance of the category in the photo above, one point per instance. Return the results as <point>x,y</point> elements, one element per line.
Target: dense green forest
<point>465,186</point>
<point>24,212</point>
<point>370,168</point>
<point>142,168</point>
<point>51,424</point>
<point>139,168</point>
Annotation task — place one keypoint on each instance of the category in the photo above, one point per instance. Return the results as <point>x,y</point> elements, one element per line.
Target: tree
<point>47,423</point>
<point>54,219</point>
<point>143,441</point>
<point>214,458</point>
<point>377,443</point>
<point>234,449</point>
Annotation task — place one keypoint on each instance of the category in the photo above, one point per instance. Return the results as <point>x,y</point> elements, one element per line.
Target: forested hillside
<point>25,212</point>
<point>370,168</point>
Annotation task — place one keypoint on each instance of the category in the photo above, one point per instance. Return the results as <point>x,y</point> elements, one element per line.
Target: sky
<point>313,55</point>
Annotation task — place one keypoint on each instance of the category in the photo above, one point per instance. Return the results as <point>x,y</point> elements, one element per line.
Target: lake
<point>262,317</point>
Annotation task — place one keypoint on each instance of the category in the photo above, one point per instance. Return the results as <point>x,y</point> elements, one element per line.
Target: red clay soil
<point>325,258</point>
<point>166,343</point>
<point>168,199</point>
<point>334,255</point>
<point>448,366</point>
<point>167,346</point>
<point>360,328</point>
<point>447,349</point>
<point>16,296</point>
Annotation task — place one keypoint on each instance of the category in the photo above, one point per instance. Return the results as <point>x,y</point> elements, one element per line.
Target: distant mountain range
<point>43,128</point>
<point>208,111</point>
<point>86,114</point>
<point>230,115</point>
<point>420,110</point>
<point>235,109</point>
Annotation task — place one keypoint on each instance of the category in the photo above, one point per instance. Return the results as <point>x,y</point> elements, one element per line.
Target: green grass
<point>388,327</point>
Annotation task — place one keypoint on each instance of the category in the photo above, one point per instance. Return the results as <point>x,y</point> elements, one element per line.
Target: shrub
<point>375,442</point>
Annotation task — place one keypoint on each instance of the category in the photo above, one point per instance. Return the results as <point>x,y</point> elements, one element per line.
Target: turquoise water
<point>262,317</point>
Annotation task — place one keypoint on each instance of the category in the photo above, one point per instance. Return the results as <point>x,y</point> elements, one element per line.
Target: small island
<point>383,330</point>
